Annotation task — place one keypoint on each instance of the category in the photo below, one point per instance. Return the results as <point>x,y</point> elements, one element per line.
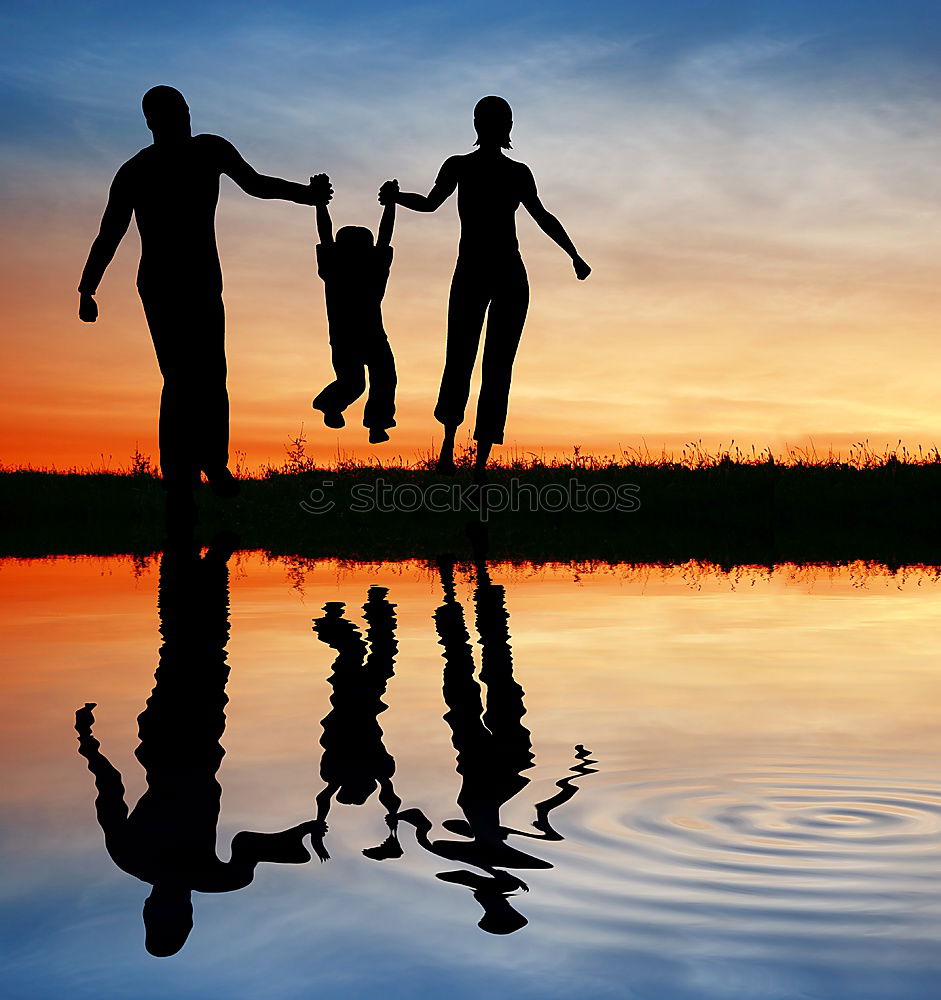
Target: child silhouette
<point>355,272</point>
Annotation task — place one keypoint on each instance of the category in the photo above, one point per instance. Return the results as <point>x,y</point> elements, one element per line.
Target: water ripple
<point>770,849</point>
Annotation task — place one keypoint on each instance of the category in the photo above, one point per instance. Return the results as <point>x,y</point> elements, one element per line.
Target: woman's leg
<point>467,305</point>
<point>504,328</point>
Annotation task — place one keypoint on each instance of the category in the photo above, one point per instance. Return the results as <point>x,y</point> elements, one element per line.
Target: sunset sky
<point>757,186</point>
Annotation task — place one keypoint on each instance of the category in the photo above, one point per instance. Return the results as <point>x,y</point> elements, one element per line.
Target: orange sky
<point>764,251</point>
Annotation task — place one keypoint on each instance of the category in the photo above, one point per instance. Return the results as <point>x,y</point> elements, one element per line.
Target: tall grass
<point>693,456</point>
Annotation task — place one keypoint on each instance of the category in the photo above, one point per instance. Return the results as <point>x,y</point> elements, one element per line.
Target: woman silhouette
<point>489,275</point>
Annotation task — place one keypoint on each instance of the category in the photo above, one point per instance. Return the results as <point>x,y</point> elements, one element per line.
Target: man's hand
<point>320,190</point>
<point>87,308</point>
<point>582,270</point>
<point>389,192</point>
<point>85,718</point>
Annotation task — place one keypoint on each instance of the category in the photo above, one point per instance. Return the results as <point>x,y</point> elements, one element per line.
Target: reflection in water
<point>769,824</point>
<point>169,838</point>
<point>493,749</point>
<point>355,761</point>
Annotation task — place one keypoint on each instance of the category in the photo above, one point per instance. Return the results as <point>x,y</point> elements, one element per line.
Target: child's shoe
<point>332,418</point>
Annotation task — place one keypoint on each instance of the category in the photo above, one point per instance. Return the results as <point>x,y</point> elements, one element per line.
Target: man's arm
<point>260,185</point>
<point>109,805</point>
<point>549,224</point>
<point>114,223</point>
<point>387,195</point>
<point>443,188</point>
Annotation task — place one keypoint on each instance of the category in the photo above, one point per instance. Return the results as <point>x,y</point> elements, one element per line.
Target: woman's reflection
<point>169,838</point>
<point>493,750</point>
<point>355,761</point>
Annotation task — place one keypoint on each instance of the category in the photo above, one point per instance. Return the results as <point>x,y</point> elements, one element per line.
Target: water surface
<point>614,782</point>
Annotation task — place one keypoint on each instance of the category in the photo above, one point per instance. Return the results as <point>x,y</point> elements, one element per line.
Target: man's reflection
<point>355,761</point>
<point>169,838</point>
<point>494,748</point>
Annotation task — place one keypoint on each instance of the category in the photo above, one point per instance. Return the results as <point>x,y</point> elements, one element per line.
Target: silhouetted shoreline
<point>730,514</point>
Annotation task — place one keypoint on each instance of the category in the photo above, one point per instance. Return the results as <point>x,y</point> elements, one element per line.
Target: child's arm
<point>387,195</point>
<point>323,192</point>
<point>324,225</point>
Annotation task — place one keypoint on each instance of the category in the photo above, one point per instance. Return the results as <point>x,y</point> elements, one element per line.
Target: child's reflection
<point>169,838</point>
<point>493,750</point>
<point>355,761</point>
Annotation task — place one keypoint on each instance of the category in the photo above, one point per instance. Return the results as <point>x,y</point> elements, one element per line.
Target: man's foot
<point>223,483</point>
<point>480,475</point>
<point>377,435</point>
<point>181,513</point>
<point>445,466</point>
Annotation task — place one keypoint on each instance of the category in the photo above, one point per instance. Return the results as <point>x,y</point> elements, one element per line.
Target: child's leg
<point>349,384</point>
<point>380,404</point>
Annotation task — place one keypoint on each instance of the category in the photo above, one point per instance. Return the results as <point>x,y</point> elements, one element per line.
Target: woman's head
<point>493,119</point>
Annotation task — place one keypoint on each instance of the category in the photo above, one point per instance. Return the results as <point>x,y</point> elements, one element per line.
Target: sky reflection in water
<point>763,817</point>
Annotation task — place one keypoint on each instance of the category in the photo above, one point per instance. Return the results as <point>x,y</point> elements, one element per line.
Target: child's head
<point>354,238</point>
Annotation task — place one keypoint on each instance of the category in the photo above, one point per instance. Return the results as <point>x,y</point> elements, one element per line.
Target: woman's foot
<point>377,435</point>
<point>480,462</point>
<point>445,464</point>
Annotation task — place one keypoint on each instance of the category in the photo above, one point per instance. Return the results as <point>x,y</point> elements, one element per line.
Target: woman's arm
<point>443,188</point>
<point>549,224</point>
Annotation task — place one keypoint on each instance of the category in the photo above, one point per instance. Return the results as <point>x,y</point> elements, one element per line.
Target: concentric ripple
<point>769,850</point>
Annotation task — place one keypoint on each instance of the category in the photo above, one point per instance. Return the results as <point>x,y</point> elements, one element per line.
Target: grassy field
<point>728,508</point>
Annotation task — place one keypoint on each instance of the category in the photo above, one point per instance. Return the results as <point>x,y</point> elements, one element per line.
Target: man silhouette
<point>172,187</point>
<point>169,838</point>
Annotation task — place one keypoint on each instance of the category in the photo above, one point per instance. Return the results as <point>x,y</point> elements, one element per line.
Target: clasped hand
<point>388,193</point>
<point>320,190</point>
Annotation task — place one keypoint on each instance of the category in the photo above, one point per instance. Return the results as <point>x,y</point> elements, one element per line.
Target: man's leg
<point>466,308</point>
<point>210,399</point>
<point>179,464</point>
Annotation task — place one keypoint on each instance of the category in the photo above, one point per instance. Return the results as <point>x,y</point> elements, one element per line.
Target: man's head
<point>493,119</point>
<point>166,113</point>
<point>168,920</point>
<point>354,238</point>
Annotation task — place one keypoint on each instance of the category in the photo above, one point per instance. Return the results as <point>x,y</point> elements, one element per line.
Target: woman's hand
<point>87,308</point>
<point>582,270</point>
<point>388,193</point>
